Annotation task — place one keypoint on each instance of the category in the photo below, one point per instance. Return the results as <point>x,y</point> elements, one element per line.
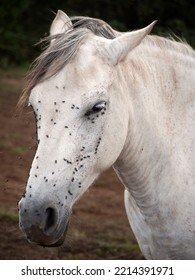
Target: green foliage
<point>24,22</point>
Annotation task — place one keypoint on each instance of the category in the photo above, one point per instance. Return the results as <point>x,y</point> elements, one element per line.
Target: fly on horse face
<point>104,98</point>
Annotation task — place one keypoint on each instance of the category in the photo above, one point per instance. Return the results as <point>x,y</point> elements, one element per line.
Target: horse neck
<point>155,97</point>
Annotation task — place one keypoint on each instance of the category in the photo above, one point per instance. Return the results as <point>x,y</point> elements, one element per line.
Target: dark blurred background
<point>25,22</point>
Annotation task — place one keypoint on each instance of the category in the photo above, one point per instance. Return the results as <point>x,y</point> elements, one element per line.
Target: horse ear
<point>60,24</point>
<point>118,48</point>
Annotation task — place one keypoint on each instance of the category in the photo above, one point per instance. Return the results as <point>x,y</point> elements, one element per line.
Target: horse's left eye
<point>97,108</point>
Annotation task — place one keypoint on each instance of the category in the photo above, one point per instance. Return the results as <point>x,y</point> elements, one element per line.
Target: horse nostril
<point>50,219</point>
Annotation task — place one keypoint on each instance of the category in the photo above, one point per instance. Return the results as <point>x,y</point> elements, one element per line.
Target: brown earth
<point>99,228</point>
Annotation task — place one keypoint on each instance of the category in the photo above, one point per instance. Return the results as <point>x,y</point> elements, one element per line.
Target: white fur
<point>147,134</point>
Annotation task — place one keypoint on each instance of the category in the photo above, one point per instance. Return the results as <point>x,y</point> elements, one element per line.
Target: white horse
<point>104,98</point>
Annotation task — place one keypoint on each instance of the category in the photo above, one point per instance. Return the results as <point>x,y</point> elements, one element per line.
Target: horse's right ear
<point>117,49</point>
<point>60,24</point>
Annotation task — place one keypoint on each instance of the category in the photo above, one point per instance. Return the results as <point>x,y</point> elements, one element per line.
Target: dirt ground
<point>99,228</point>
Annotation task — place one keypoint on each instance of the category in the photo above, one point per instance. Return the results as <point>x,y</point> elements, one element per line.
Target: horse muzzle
<point>37,236</point>
<point>43,225</point>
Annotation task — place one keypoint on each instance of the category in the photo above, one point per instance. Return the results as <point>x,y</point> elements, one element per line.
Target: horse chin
<point>55,244</point>
<point>59,242</point>
<point>46,241</point>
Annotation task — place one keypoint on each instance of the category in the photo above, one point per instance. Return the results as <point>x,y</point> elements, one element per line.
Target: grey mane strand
<point>60,49</point>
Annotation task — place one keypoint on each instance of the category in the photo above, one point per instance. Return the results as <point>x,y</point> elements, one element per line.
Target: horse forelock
<point>60,50</point>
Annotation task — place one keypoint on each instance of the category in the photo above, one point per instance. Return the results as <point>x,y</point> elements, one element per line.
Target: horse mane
<point>172,43</point>
<point>60,49</point>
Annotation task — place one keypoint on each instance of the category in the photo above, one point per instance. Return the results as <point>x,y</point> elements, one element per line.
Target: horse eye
<point>97,108</point>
